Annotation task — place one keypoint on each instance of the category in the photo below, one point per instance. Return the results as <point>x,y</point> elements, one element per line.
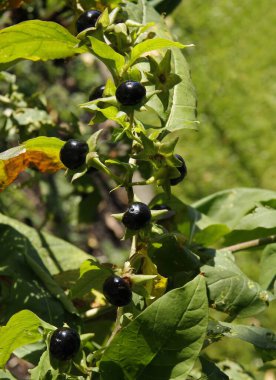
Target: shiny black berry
<point>137,216</point>
<point>182,170</point>
<point>87,20</point>
<point>97,93</point>
<point>117,291</point>
<point>130,93</point>
<point>64,343</point>
<point>73,153</point>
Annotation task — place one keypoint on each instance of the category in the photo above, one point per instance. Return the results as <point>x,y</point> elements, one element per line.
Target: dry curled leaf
<point>40,152</point>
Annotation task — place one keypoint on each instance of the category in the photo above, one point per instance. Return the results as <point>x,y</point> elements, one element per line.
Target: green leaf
<point>260,217</point>
<point>33,116</point>
<point>150,45</point>
<point>6,375</point>
<point>56,254</point>
<point>230,290</point>
<point>234,370</point>
<point>258,336</point>
<point>180,258</point>
<point>92,276</point>
<point>268,266</point>
<point>28,280</point>
<point>37,40</point>
<point>230,206</point>
<point>113,60</point>
<point>164,341</point>
<point>237,215</point>
<point>21,329</point>
<point>211,371</point>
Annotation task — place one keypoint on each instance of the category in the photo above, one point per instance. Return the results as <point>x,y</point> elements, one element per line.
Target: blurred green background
<point>233,70</point>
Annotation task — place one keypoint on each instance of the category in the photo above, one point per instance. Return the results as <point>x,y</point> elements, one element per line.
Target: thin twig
<point>251,244</point>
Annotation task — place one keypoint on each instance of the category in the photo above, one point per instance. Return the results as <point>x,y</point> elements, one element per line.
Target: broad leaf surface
<point>234,370</point>
<point>237,215</point>
<point>21,329</point>
<point>268,266</point>
<point>113,60</point>
<point>150,45</point>
<point>211,371</point>
<point>230,206</point>
<point>258,336</point>
<point>36,40</point>
<point>26,282</point>
<point>40,152</point>
<point>56,254</point>
<point>92,276</point>
<point>230,290</point>
<point>159,344</point>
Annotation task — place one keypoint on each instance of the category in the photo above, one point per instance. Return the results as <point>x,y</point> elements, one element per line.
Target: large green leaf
<point>211,371</point>
<point>230,290</point>
<point>21,329</point>
<point>36,40</point>
<point>258,336</point>
<point>268,266</point>
<point>230,206</point>
<point>182,106</point>
<point>237,215</point>
<point>26,282</point>
<point>163,341</point>
<point>56,254</point>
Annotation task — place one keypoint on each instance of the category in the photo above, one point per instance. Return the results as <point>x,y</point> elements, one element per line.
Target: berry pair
<point>128,93</point>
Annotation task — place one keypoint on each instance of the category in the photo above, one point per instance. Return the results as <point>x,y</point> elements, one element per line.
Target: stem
<point>129,188</point>
<point>133,246</point>
<point>117,326</point>
<point>251,244</point>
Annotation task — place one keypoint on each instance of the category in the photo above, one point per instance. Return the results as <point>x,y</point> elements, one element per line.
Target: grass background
<point>233,70</point>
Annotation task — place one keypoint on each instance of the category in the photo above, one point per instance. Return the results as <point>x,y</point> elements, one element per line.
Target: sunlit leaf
<point>37,40</point>
<point>150,45</point>
<point>21,329</point>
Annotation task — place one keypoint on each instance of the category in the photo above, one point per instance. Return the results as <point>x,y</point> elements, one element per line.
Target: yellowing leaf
<point>40,152</point>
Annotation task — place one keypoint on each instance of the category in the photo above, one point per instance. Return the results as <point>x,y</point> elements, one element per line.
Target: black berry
<point>64,343</point>
<point>97,93</point>
<point>117,291</point>
<point>130,93</point>
<point>87,20</point>
<point>182,170</point>
<point>137,216</point>
<point>73,153</point>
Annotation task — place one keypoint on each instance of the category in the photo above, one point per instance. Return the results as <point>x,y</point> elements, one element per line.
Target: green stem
<point>149,181</point>
<point>117,326</point>
<point>251,244</point>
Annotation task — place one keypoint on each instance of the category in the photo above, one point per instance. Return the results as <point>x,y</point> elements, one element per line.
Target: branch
<point>251,244</point>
